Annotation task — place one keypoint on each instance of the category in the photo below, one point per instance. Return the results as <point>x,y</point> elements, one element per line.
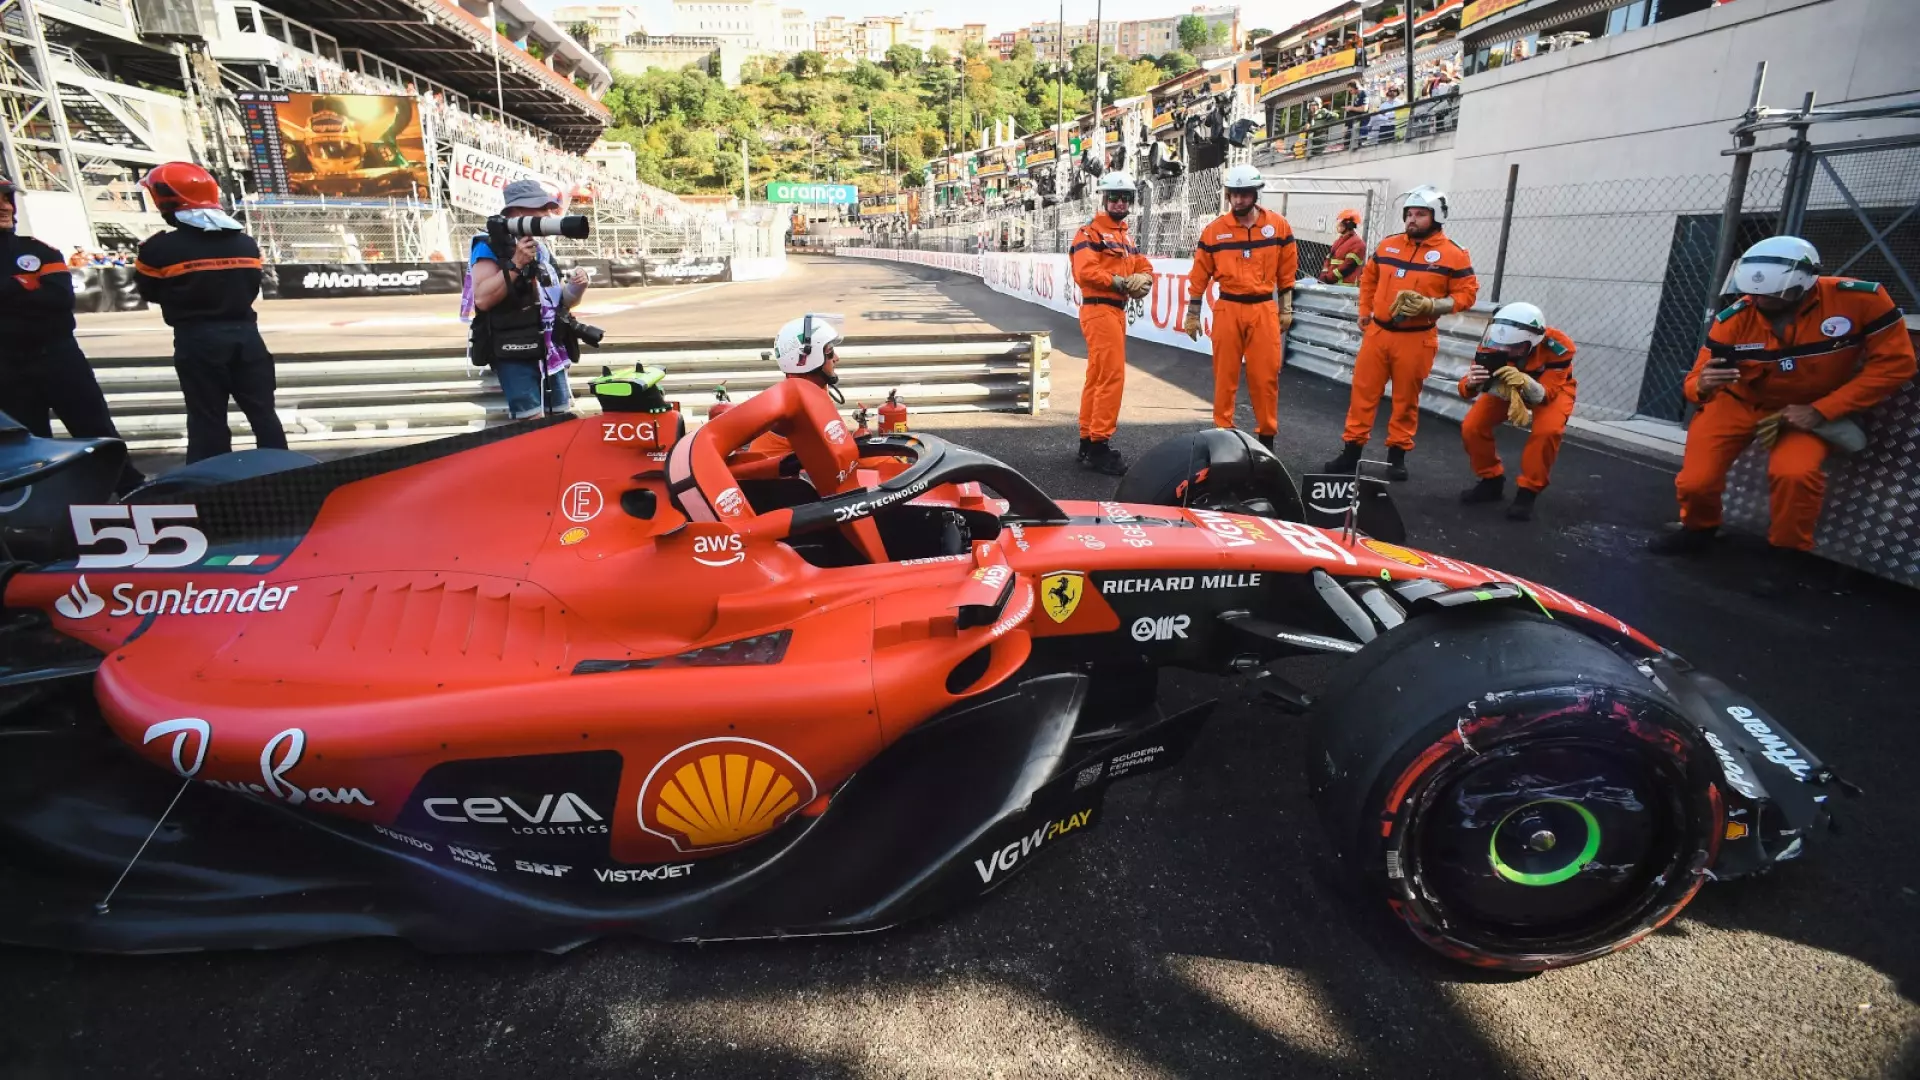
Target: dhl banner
<point>1482,9</point>
<point>1299,73</point>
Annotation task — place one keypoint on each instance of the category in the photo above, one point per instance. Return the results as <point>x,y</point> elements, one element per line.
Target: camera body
<point>573,333</point>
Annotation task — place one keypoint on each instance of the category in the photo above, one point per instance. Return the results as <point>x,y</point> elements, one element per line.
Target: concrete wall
<point>1659,101</point>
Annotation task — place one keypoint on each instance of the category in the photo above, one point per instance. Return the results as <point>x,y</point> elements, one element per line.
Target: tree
<point>1217,34</point>
<point>1192,31</point>
<point>868,76</point>
<point>939,56</point>
<point>1136,78</point>
<point>973,50</point>
<point>1023,51</point>
<point>581,32</point>
<point>808,63</point>
<point>1258,34</point>
<point>1175,63</point>
<point>903,58</point>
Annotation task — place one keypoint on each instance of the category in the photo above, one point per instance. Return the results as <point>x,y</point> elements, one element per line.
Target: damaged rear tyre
<point>1520,796</point>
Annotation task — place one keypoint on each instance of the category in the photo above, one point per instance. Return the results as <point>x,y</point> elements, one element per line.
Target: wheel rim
<point>1547,845</point>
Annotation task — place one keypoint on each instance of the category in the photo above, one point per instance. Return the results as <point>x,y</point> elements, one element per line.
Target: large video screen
<point>343,146</point>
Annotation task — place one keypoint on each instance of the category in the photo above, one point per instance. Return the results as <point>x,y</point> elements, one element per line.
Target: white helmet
<point>1427,197</point>
<point>1782,266</point>
<point>1119,181</point>
<point>802,345</point>
<point>1514,325</point>
<point>1242,178</point>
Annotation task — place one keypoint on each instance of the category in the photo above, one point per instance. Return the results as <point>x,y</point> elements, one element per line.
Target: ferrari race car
<point>532,685</point>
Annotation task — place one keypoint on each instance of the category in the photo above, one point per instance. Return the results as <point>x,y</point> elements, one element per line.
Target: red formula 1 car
<point>545,682</point>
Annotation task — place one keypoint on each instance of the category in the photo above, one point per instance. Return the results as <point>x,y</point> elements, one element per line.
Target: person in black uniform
<point>203,276</point>
<point>42,369</point>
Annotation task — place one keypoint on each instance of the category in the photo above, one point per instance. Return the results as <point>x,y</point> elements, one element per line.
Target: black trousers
<point>54,379</point>
<point>217,361</point>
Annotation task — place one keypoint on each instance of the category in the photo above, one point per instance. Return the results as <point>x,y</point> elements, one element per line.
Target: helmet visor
<point>1771,275</point>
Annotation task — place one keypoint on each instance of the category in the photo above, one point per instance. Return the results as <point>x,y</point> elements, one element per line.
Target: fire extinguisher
<point>893,415</point>
<point>721,403</point>
<point>860,422</point>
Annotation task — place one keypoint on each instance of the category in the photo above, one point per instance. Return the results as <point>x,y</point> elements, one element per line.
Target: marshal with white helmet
<point>1782,266</point>
<point>1522,374</point>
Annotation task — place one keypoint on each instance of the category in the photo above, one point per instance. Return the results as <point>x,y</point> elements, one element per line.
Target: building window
<point>276,29</point>
<point>244,15</point>
<point>300,38</point>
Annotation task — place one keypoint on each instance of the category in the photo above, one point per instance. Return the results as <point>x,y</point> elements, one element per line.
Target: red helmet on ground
<point>1351,216</point>
<point>181,185</point>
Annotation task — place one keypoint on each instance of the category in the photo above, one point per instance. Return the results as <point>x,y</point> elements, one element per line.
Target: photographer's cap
<point>529,195</point>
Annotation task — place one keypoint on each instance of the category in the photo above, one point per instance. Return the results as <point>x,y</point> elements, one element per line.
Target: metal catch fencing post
<point>1736,193</point>
<point>1506,230</point>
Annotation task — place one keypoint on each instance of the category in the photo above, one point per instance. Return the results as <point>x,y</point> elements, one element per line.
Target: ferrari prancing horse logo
<point>1060,593</point>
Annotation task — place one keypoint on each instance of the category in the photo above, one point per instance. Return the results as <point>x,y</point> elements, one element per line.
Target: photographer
<point>518,296</point>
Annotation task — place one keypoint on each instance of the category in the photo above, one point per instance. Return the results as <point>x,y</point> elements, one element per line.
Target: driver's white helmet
<point>1242,178</point>
<point>1782,266</point>
<point>1513,325</point>
<point>1117,181</point>
<point>1427,197</point>
<point>801,345</point>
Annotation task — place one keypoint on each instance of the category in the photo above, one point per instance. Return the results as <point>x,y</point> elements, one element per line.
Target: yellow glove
<point>1517,412</point>
<point>1513,377</point>
<point>1410,304</point>
<point>1192,326</point>
<point>1768,430</point>
<point>1139,285</point>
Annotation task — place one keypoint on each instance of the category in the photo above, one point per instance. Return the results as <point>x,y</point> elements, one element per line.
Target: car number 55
<point>91,527</point>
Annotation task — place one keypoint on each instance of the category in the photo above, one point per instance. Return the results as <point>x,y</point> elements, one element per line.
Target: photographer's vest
<point>513,329</point>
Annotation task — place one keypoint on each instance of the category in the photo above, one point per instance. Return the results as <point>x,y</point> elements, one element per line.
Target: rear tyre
<point>1217,469</point>
<point>1520,796</point>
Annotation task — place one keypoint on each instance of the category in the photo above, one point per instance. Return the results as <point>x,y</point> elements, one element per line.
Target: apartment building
<point>608,24</point>
<point>796,30</point>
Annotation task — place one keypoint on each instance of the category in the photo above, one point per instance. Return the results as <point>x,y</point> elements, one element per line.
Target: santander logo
<point>80,601</point>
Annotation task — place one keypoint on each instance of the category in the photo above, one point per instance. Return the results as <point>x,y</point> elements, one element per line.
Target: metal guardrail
<point>1325,337</point>
<point>349,398</point>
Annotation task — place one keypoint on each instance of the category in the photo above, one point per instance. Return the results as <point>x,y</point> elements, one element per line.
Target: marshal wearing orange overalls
<point>1249,250</point>
<point>1522,374</point>
<point>1412,279</point>
<point>1109,270</point>
<point>1787,363</point>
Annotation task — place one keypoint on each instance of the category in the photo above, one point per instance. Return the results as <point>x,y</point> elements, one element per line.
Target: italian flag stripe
<point>239,560</point>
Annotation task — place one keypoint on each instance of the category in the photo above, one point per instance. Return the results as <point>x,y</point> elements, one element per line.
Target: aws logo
<point>719,793</point>
<point>721,550</point>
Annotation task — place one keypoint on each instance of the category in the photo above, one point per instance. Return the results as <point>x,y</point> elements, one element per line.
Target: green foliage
<point>1192,31</point>
<point>802,119</point>
<point>1175,63</point>
<point>1258,33</point>
<point>1023,51</point>
<point>581,32</point>
<point>904,59</point>
<point>1217,34</point>
<point>939,55</point>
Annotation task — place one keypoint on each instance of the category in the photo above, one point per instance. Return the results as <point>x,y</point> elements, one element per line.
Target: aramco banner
<point>786,191</point>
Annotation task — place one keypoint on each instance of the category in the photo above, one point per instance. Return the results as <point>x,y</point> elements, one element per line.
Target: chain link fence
<point>1622,266</point>
<point>1861,211</point>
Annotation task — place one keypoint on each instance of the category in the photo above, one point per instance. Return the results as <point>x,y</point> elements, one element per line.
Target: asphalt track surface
<point>1201,931</point>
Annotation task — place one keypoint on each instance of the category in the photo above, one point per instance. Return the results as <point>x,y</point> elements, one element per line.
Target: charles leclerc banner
<point>476,178</point>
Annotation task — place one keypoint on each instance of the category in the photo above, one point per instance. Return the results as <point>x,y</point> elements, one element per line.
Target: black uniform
<point>42,369</point>
<point>204,283</point>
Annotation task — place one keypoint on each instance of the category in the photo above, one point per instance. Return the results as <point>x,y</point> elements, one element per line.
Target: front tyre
<point>1520,796</point>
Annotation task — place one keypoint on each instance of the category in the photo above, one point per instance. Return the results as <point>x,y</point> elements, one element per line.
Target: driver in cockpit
<point>804,350</point>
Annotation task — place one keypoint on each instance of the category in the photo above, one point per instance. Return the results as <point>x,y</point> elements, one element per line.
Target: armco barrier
<point>353,398</point>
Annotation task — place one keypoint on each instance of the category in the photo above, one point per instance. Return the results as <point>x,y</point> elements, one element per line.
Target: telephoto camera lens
<point>572,226</point>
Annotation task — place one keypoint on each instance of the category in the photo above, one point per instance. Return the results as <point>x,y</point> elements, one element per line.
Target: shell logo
<point>572,536</point>
<point>1395,552</point>
<point>720,793</point>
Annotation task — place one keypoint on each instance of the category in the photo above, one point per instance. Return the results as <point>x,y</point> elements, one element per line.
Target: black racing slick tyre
<point>1215,469</point>
<point>1520,796</point>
